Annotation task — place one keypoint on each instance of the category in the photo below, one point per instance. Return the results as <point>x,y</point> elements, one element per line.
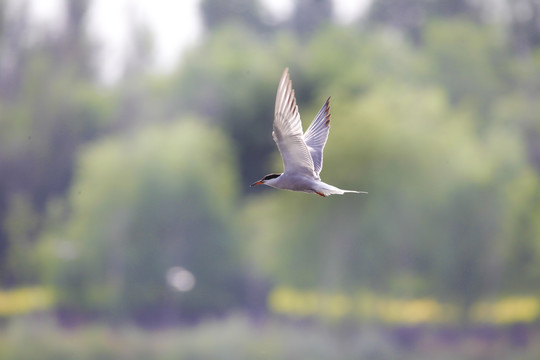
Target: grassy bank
<point>236,338</point>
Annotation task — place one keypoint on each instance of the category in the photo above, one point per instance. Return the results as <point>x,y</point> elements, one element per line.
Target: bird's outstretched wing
<point>316,136</point>
<point>288,131</point>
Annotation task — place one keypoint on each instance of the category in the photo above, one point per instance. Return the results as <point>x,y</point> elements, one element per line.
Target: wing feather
<point>316,136</point>
<point>288,131</point>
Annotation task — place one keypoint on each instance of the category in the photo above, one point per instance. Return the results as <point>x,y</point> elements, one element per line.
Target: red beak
<point>257,183</point>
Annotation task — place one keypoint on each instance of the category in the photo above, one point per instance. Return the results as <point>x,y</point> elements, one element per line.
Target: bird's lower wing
<point>294,153</point>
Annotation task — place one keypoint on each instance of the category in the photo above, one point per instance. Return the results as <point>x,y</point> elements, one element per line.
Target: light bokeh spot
<point>180,279</point>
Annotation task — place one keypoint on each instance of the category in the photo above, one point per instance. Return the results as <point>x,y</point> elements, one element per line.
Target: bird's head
<point>267,179</point>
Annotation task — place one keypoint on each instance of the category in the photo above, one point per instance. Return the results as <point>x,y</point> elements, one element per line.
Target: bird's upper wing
<point>288,131</point>
<point>316,136</point>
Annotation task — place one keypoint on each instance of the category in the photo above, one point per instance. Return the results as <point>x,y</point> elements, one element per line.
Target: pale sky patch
<point>174,25</point>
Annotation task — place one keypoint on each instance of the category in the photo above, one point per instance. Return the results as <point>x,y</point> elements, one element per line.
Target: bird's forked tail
<point>328,190</point>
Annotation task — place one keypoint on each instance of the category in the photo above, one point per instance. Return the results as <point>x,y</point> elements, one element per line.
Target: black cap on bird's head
<point>267,177</point>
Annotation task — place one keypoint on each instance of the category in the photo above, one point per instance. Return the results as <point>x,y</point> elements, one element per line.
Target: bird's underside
<point>308,185</point>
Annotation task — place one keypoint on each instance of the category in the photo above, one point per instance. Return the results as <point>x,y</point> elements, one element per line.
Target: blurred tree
<point>519,17</point>
<point>49,107</point>
<point>410,17</point>
<point>470,62</point>
<point>22,226</point>
<point>216,13</point>
<point>76,48</point>
<point>161,197</point>
<point>519,110</point>
<point>524,19</point>
<point>407,16</point>
<point>310,16</point>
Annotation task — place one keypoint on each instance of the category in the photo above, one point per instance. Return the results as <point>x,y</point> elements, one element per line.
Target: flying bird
<point>302,153</point>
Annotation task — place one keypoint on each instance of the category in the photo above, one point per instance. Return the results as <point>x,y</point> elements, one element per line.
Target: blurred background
<point>130,131</point>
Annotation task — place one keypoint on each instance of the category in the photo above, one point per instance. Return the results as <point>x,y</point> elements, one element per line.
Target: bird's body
<point>296,182</point>
<point>302,153</point>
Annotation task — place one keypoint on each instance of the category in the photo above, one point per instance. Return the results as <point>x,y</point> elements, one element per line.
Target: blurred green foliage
<point>140,204</point>
<point>104,189</point>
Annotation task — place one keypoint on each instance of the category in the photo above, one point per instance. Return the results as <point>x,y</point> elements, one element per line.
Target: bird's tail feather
<point>354,191</point>
<point>332,190</point>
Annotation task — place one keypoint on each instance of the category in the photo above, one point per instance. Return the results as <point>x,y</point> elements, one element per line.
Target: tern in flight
<point>302,153</point>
